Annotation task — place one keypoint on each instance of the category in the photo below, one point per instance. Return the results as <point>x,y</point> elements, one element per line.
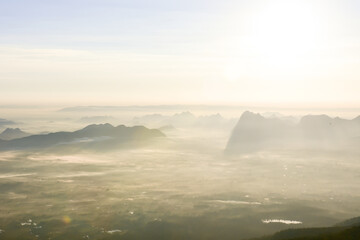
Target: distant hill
<point>178,120</point>
<point>96,119</point>
<point>97,137</point>
<point>255,132</point>
<point>13,133</point>
<point>167,128</point>
<point>347,230</point>
<point>5,122</point>
<point>185,120</point>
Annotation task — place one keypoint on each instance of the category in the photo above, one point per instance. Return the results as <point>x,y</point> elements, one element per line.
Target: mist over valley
<point>177,175</point>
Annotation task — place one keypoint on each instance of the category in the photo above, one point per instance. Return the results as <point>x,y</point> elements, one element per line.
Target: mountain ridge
<point>13,133</point>
<point>255,132</point>
<point>104,135</point>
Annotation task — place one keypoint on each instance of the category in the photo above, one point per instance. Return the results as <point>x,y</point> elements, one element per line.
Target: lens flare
<point>66,220</point>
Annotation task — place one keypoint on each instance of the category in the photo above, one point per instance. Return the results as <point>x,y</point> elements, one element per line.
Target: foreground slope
<point>347,230</point>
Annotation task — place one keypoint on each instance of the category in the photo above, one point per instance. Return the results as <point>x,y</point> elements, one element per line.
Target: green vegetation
<point>332,233</point>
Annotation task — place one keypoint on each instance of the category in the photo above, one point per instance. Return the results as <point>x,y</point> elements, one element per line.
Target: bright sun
<point>283,36</point>
<point>286,30</point>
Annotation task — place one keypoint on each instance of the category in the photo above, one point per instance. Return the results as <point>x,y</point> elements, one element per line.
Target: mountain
<point>154,120</point>
<point>280,116</point>
<point>96,119</point>
<point>215,121</point>
<point>97,137</point>
<point>4,122</point>
<point>255,132</point>
<point>185,120</point>
<point>167,128</point>
<point>323,127</point>
<point>13,133</point>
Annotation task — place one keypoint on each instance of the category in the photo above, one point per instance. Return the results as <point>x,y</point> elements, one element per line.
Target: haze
<point>180,119</point>
<point>140,52</point>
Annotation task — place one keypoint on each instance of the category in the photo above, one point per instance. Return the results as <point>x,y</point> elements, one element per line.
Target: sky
<point>113,52</point>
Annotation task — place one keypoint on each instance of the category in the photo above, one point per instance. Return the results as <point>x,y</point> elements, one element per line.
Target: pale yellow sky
<point>236,52</point>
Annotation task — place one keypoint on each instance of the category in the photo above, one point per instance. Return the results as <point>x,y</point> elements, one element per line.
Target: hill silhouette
<point>95,136</point>
<point>185,120</point>
<point>5,122</point>
<point>96,119</point>
<point>13,133</point>
<point>255,132</point>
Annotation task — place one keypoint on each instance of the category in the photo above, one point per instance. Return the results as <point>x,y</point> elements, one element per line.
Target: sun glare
<point>283,37</point>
